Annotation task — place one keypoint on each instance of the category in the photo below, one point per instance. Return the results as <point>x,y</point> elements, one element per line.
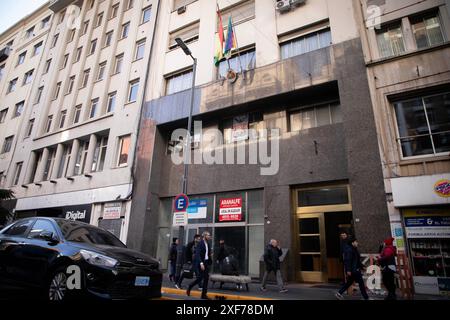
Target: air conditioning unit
<point>283,6</point>
<point>297,2</point>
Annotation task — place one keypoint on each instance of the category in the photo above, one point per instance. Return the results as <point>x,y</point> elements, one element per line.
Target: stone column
<point>73,157</point>
<point>58,157</point>
<point>90,154</point>
<point>31,164</point>
<point>41,166</point>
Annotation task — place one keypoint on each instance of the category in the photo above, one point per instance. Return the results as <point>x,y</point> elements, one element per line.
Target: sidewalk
<point>296,291</point>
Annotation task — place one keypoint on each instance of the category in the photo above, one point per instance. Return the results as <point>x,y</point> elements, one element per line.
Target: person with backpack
<point>272,256</point>
<point>386,261</point>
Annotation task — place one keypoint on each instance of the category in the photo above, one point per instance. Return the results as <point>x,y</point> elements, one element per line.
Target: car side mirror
<point>48,236</point>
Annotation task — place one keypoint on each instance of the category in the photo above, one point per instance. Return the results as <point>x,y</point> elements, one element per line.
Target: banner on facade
<point>240,128</point>
<point>78,213</point>
<point>427,227</point>
<point>230,209</point>
<point>197,209</point>
<point>112,210</point>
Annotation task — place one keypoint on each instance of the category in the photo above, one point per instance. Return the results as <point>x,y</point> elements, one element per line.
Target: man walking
<point>203,261</point>
<point>173,259</point>
<point>189,261</point>
<point>272,256</point>
<point>353,269</point>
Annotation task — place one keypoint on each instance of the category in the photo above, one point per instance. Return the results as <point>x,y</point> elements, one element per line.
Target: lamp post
<point>187,152</point>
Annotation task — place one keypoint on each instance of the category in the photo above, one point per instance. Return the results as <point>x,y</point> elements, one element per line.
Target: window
<point>85,78</point>
<point>7,144</point>
<point>29,33</point>
<point>124,148</point>
<point>85,27</point>
<point>70,85</point>
<point>21,58</point>
<point>314,117</point>
<point>118,64</point>
<point>48,168</point>
<point>237,128</point>
<point>10,43</point>
<point>100,154</point>
<point>47,65</point>
<point>179,82</point>
<point>91,4</point>
<point>93,46</point>
<point>129,4</point>
<point>2,71</point>
<point>93,111</point>
<point>62,118</point>
<point>45,22</point>
<point>63,165</point>
<point>133,90</point>
<point>114,11</point>
<point>101,71</point>
<point>140,49</point>
<point>125,30</point>
<point>12,85</point>
<point>38,97</point>
<point>77,114</point>
<point>61,16</point>
<point>427,30</point>
<point>28,77</point>
<point>18,110</point>
<point>78,54</point>
<point>29,128</point>
<point>3,114</point>
<point>38,157</point>
<point>57,89</point>
<point>424,125</point>
<point>307,43</point>
<point>247,59</point>
<point>99,19</point>
<point>80,162</point>
<point>49,124</point>
<point>108,39</point>
<point>71,36</point>
<point>146,14</point>
<point>55,40</point>
<point>111,102</point>
<point>239,13</point>
<point>20,228</point>
<point>390,40</point>
<point>2,178</point>
<point>40,226</point>
<point>187,34</point>
<point>323,196</point>
<point>37,49</point>
<point>17,173</point>
<point>181,3</point>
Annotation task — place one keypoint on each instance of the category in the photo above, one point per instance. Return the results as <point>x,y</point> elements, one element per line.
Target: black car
<point>64,259</point>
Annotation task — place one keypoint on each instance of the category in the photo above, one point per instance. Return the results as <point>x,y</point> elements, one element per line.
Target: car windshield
<point>77,232</point>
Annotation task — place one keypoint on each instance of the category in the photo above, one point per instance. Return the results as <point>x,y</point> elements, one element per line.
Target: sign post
<point>180,219</point>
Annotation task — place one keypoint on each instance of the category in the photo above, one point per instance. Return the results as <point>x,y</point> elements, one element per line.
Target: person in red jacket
<point>386,261</point>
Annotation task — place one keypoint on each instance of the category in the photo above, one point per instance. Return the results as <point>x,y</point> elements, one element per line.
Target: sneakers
<point>263,289</point>
<point>339,296</point>
<point>284,290</point>
<point>178,286</point>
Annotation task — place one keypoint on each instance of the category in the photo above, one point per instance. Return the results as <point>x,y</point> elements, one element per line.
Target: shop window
<point>314,117</point>
<point>424,125</point>
<point>255,206</point>
<point>427,30</point>
<point>235,243</point>
<point>323,196</point>
<point>243,61</point>
<point>231,207</point>
<point>390,40</point>
<point>201,209</point>
<point>307,43</point>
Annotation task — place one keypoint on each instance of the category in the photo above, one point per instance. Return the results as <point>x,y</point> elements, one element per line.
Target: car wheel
<point>57,289</point>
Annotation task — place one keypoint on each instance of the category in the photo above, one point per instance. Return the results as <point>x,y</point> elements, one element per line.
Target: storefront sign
<point>112,210</point>
<point>442,188</point>
<point>427,227</point>
<point>426,285</point>
<point>197,209</point>
<point>180,219</point>
<point>78,213</point>
<point>230,209</point>
<point>240,128</point>
<point>397,233</point>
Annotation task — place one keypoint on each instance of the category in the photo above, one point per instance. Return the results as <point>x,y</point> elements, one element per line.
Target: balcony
<point>4,53</point>
<point>58,5</point>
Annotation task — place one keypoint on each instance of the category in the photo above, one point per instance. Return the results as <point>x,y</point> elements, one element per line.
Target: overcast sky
<point>12,11</point>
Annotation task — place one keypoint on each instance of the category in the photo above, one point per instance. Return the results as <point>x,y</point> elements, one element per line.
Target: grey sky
<point>11,11</point>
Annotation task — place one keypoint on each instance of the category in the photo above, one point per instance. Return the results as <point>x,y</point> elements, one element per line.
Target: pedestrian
<point>343,236</point>
<point>272,256</point>
<point>223,253</point>
<point>188,266</point>
<point>353,269</point>
<point>203,260</point>
<point>173,259</point>
<point>386,261</point>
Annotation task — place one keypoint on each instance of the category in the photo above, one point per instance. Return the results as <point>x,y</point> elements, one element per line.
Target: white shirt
<point>207,249</point>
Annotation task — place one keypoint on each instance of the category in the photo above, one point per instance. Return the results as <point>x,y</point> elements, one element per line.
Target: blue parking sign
<point>181,203</point>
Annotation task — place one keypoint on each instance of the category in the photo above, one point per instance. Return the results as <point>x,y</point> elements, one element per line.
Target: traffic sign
<point>181,203</point>
<point>180,219</point>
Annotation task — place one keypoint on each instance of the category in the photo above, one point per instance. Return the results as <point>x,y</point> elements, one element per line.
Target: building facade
<point>70,125</point>
<point>298,68</point>
<point>407,57</point>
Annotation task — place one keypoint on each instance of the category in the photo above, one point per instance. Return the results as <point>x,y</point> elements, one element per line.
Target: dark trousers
<point>355,277</point>
<point>172,270</point>
<point>202,279</point>
<point>389,283</point>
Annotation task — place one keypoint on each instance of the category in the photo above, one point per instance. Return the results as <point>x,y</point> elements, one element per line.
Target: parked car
<point>47,254</point>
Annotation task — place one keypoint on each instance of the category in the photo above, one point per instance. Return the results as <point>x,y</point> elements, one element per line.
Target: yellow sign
<point>442,188</point>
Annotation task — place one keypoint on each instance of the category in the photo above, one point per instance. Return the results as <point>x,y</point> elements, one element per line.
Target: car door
<point>12,242</point>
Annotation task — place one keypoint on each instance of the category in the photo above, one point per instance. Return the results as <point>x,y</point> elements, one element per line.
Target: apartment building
<point>300,69</point>
<point>70,151</point>
<point>407,54</point>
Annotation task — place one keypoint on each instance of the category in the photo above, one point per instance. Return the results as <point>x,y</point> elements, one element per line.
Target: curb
<point>211,295</point>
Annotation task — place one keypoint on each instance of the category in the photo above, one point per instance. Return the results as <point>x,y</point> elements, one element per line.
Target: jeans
<point>277,274</point>
<point>172,270</point>
<point>355,277</point>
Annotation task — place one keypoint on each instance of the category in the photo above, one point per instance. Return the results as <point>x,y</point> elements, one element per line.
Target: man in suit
<point>203,260</point>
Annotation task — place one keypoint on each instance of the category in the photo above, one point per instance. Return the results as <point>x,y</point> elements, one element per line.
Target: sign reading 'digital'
<point>230,209</point>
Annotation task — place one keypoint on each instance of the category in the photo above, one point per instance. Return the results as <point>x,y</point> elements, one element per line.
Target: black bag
<point>188,273</point>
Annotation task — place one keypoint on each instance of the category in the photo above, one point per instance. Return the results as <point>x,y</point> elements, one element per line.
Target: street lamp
<point>187,152</point>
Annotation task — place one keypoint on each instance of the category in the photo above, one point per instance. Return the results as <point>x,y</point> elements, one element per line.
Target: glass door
<point>312,248</point>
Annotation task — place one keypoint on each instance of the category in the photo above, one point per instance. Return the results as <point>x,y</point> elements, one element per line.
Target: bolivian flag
<point>219,40</point>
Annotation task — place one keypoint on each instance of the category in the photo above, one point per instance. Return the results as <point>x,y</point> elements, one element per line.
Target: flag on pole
<point>219,40</point>
<point>230,43</point>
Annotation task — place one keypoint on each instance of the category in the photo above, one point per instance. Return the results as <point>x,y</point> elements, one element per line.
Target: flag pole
<point>237,48</point>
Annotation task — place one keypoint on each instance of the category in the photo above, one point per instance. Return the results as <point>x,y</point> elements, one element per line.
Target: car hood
<point>124,255</point>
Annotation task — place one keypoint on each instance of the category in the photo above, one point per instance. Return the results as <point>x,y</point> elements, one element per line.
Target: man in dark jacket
<point>203,260</point>
<point>272,256</point>
<point>353,269</point>
<point>388,267</point>
<point>188,261</point>
<point>173,259</point>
